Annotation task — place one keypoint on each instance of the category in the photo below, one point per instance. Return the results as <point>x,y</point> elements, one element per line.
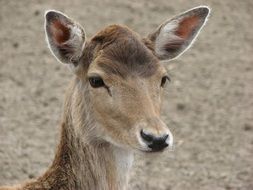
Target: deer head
<point>119,74</point>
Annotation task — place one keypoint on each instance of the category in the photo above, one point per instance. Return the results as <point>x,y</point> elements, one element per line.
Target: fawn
<point>112,106</point>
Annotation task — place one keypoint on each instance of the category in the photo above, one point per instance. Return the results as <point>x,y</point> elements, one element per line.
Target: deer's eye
<point>164,80</point>
<point>96,82</point>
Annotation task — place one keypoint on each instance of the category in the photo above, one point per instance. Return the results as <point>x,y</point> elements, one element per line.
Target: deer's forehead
<point>124,53</point>
<point>127,69</point>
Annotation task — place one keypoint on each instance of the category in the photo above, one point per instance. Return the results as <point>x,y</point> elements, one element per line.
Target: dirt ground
<point>208,107</point>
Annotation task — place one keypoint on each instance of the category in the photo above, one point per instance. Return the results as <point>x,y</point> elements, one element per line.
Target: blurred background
<point>208,105</point>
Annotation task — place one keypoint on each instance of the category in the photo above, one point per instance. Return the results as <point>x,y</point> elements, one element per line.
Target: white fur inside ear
<point>166,36</point>
<point>175,36</point>
<point>71,50</point>
<point>76,43</point>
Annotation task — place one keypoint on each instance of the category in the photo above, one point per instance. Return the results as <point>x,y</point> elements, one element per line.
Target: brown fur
<point>124,52</point>
<point>95,156</point>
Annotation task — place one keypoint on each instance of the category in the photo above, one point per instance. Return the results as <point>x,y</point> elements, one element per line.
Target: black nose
<point>153,142</point>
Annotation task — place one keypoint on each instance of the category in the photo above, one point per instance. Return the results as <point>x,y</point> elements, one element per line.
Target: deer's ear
<point>175,36</point>
<point>65,38</point>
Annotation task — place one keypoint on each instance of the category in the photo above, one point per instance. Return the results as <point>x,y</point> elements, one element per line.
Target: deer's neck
<point>80,166</point>
<point>81,163</point>
<point>100,166</point>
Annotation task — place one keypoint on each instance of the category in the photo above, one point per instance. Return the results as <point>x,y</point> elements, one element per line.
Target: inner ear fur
<point>176,35</point>
<point>65,37</point>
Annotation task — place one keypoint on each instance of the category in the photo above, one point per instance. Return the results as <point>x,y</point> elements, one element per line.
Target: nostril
<point>147,137</point>
<point>155,143</point>
<point>159,143</point>
<point>160,140</point>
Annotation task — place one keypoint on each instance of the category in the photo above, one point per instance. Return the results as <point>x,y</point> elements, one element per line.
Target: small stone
<point>247,127</point>
<point>228,187</point>
<point>15,44</point>
<point>36,13</point>
<point>30,176</point>
<point>180,106</point>
<point>45,104</point>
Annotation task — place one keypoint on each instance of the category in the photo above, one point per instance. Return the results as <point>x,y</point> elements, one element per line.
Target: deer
<point>113,103</point>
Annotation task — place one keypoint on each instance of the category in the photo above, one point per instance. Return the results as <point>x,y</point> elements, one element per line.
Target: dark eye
<point>96,82</point>
<point>164,80</point>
